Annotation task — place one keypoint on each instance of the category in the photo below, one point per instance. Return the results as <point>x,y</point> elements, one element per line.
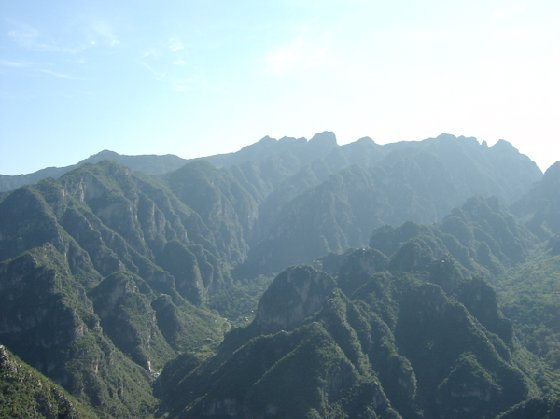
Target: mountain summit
<point>293,278</point>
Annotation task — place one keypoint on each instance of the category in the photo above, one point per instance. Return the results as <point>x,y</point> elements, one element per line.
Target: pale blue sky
<point>199,77</point>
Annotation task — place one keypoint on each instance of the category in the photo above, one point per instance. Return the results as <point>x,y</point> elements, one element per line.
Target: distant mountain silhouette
<point>149,164</point>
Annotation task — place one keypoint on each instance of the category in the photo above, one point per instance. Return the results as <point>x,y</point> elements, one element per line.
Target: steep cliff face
<point>226,207</point>
<point>541,205</point>
<point>84,298</point>
<point>278,203</point>
<point>106,275</point>
<point>49,321</point>
<point>401,343</point>
<point>129,320</point>
<point>116,220</point>
<point>344,199</point>
<point>294,295</point>
<point>24,392</point>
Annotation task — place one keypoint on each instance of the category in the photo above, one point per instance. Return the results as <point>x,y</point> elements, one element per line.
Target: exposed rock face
<point>80,280</point>
<point>294,295</point>
<point>129,320</point>
<point>401,346</point>
<point>542,204</point>
<point>106,275</point>
<point>325,140</point>
<point>49,321</point>
<point>287,201</point>
<point>184,266</point>
<point>25,393</point>
<point>361,186</point>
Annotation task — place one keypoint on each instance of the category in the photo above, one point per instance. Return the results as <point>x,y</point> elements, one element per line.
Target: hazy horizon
<point>199,78</point>
<point>543,169</point>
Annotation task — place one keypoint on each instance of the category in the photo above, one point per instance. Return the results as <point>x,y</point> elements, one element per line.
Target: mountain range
<point>293,278</point>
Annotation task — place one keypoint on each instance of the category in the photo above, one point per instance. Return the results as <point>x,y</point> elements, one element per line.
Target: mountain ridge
<point>161,164</point>
<point>110,277</point>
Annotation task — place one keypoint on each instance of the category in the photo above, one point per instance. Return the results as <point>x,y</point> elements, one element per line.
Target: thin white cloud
<point>36,68</point>
<point>104,34</point>
<point>170,50</point>
<point>15,64</point>
<point>59,75</point>
<point>159,75</point>
<point>30,38</point>
<point>151,53</point>
<point>177,82</point>
<point>175,45</point>
<point>166,55</point>
<point>96,34</point>
<point>23,34</point>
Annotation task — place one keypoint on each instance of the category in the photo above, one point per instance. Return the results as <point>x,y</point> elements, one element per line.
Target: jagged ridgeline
<point>115,270</point>
<point>413,331</point>
<point>368,339</point>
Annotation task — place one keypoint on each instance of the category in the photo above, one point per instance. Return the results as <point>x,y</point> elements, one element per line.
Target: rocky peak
<point>459,139</point>
<point>292,140</point>
<point>365,140</point>
<point>5,363</point>
<point>503,145</point>
<point>294,295</point>
<point>266,139</point>
<point>103,155</point>
<point>444,136</point>
<point>325,139</point>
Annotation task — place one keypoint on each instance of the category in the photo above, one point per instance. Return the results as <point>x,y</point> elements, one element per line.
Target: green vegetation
<point>119,286</point>
<point>83,297</point>
<point>530,298</point>
<point>239,300</point>
<point>431,356</point>
<point>25,393</point>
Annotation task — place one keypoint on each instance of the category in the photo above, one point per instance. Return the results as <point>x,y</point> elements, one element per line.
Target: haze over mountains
<point>120,275</point>
<point>267,147</point>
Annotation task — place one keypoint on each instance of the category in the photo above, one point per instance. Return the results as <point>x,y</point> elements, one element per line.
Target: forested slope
<point>428,288</point>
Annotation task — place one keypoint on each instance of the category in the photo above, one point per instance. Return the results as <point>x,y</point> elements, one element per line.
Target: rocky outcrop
<point>24,392</point>
<point>294,295</point>
<point>401,346</point>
